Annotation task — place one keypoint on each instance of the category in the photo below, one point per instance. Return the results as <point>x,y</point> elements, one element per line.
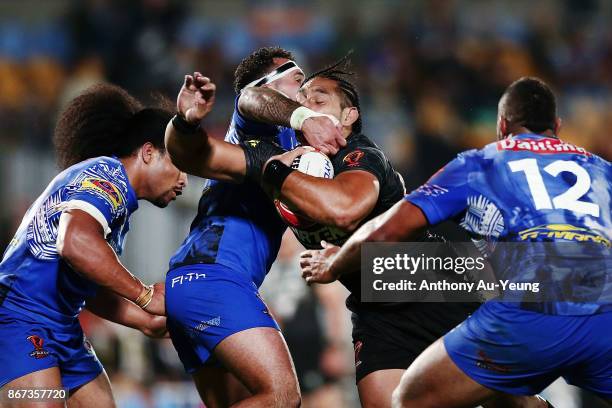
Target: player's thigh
<point>376,388</point>
<point>218,388</point>
<point>433,380</point>
<point>260,359</point>
<point>48,379</point>
<point>95,393</point>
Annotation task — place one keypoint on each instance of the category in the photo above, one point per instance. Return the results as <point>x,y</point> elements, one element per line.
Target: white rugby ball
<point>313,163</point>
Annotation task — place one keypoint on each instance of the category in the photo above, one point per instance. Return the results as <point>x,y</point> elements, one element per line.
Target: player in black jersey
<point>387,337</point>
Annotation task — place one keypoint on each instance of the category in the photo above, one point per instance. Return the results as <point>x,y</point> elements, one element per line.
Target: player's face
<point>321,95</point>
<point>289,84</point>
<point>165,180</point>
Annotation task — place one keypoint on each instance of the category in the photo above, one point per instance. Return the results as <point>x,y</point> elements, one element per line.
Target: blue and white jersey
<point>529,188</point>
<point>34,281</point>
<point>237,225</point>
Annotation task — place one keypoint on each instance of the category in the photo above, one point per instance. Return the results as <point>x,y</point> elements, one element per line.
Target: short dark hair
<point>349,97</point>
<point>529,102</point>
<point>106,120</point>
<point>257,65</point>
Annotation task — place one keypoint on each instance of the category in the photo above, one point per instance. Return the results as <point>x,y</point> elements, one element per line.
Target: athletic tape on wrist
<point>302,113</point>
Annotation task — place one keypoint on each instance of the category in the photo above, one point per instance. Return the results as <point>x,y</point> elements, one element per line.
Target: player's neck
<point>133,172</point>
<point>523,130</point>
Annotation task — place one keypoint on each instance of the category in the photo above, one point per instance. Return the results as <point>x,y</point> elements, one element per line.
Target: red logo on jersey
<point>38,351</point>
<point>542,146</point>
<point>352,159</point>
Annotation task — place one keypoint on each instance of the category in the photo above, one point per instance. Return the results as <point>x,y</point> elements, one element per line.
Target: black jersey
<point>360,153</point>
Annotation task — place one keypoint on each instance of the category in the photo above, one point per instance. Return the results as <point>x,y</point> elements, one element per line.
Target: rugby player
<point>64,254</point>
<point>217,321</point>
<point>528,180</point>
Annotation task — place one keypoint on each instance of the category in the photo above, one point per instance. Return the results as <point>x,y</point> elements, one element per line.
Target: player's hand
<point>196,97</point>
<point>322,133</point>
<point>315,264</point>
<point>157,306</point>
<point>155,327</point>
<point>288,157</point>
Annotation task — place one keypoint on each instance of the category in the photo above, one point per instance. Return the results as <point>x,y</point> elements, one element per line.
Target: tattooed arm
<point>269,106</point>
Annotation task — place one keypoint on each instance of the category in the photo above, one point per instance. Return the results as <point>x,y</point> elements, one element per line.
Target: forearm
<point>266,105</point>
<point>99,263</point>
<point>335,202</point>
<point>117,309</point>
<point>205,157</point>
<point>402,222</point>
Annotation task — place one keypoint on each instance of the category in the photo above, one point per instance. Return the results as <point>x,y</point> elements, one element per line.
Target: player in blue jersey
<point>64,254</point>
<point>217,321</point>
<point>528,187</point>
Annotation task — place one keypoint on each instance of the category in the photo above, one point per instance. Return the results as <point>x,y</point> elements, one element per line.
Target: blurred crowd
<point>430,74</point>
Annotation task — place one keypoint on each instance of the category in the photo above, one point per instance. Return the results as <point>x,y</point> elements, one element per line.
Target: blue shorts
<point>521,352</point>
<point>27,347</point>
<point>207,303</point>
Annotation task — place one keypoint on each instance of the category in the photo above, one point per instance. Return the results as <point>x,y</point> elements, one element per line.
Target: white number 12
<point>568,200</point>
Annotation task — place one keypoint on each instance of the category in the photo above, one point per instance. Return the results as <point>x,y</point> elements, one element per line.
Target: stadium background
<point>429,72</point>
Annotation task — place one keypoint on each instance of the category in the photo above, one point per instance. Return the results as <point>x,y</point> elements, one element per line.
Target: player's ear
<point>146,152</point>
<point>503,127</point>
<point>349,116</point>
<point>558,124</point>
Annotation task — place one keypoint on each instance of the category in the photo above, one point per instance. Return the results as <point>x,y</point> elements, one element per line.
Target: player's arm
<point>441,198</point>
<point>81,243</point>
<point>110,306</point>
<point>269,106</point>
<point>189,146</point>
<point>402,222</point>
<point>343,201</point>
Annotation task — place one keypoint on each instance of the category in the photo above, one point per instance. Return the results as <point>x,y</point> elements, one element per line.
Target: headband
<point>278,73</point>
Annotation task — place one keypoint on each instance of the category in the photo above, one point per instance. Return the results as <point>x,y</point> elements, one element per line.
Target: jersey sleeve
<point>365,159</point>
<point>100,195</point>
<point>445,194</point>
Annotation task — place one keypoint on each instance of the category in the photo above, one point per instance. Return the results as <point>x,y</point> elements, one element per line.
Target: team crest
<point>252,143</point>
<point>352,159</point>
<point>105,188</point>
<point>39,351</point>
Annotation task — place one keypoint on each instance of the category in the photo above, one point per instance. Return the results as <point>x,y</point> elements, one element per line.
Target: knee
<point>402,399</point>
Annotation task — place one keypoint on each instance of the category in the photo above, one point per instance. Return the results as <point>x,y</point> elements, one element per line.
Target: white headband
<point>278,73</point>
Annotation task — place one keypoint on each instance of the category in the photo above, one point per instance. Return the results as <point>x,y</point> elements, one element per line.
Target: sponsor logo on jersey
<point>105,188</point>
<point>432,190</point>
<point>253,143</point>
<point>542,146</point>
<point>562,232</point>
<point>39,351</point>
<point>352,159</point>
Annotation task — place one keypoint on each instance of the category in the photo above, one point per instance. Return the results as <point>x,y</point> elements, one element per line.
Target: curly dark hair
<point>106,120</point>
<point>257,65</point>
<point>529,102</point>
<point>339,72</point>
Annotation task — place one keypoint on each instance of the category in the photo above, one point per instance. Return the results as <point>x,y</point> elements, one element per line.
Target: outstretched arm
<point>402,222</point>
<point>269,106</point>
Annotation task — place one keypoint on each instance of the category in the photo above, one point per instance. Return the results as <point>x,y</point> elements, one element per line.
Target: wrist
<point>183,126</point>
<point>301,114</point>
<point>275,174</point>
<point>146,295</point>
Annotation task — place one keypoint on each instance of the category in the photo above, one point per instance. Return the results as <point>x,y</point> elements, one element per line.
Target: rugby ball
<point>313,163</point>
